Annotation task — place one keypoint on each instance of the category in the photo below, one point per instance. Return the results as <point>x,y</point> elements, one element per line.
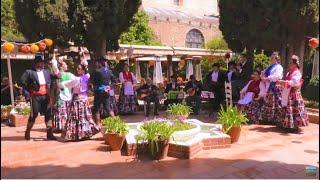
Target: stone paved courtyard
<point>263,151</point>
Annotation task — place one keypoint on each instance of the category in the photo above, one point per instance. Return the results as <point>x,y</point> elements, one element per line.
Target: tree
<point>269,25</point>
<point>139,32</point>
<point>39,19</point>
<point>217,43</point>
<point>94,24</point>
<point>99,24</point>
<point>8,24</point>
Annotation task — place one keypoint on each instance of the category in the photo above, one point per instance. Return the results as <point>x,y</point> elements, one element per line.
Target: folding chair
<point>228,91</point>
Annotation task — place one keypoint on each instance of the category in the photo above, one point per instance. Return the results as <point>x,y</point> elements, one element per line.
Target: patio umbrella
<point>157,72</point>
<point>138,73</point>
<point>189,70</point>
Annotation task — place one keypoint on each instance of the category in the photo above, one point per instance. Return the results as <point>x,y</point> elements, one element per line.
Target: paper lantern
<point>8,47</point>
<point>34,48</point>
<point>313,42</point>
<point>209,58</point>
<point>197,60</point>
<point>25,49</point>
<point>182,63</point>
<point>227,55</point>
<point>42,46</point>
<point>48,42</point>
<point>151,63</point>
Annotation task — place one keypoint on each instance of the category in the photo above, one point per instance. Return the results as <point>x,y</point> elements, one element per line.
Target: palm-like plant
<point>231,117</point>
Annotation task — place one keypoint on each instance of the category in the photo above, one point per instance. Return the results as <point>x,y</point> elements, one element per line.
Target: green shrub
<point>312,89</point>
<point>261,60</point>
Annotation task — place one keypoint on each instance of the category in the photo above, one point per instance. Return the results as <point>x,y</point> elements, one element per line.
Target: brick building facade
<point>176,23</point>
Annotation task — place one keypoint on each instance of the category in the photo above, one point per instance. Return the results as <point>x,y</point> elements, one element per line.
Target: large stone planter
<point>18,120</point>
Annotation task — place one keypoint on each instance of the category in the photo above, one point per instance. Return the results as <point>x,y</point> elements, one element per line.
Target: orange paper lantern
<point>8,47</point>
<point>42,46</point>
<point>25,49</point>
<point>182,63</point>
<point>151,63</point>
<point>313,42</point>
<point>48,42</point>
<point>34,48</point>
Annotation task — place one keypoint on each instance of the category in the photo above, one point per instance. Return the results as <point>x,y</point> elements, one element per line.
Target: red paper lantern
<point>227,55</point>
<point>42,46</point>
<point>25,49</point>
<point>313,42</point>
<point>197,60</point>
<point>132,60</point>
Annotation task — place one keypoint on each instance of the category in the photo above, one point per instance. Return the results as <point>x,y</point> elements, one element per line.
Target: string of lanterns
<point>9,47</point>
<point>313,42</point>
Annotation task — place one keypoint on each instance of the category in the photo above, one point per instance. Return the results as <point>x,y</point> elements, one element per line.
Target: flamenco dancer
<point>294,114</point>
<point>65,97</point>
<point>272,105</point>
<point>79,124</point>
<point>37,82</point>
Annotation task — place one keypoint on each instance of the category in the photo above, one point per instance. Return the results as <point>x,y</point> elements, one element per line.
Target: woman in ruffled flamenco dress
<point>64,99</point>
<point>272,102</point>
<point>80,124</point>
<point>128,102</point>
<point>251,97</point>
<point>293,114</point>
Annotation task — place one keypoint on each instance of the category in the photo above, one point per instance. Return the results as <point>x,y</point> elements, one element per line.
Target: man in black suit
<point>233,76</point>
<point>37,82</point>
<point>173,86</point>
<point>246,69</point>
<point>194,88</point>
<point>215,80</point>
<point>151,92</point>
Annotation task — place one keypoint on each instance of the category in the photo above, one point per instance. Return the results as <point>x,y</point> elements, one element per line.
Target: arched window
<point>194,39</point>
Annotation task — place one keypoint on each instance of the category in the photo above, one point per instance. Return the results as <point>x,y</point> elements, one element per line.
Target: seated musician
<point>194,88</point>
<point>149,94</point>
<point>173,86</point>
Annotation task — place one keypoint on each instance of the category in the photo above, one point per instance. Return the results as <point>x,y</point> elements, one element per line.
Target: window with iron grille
<point>194,39</point>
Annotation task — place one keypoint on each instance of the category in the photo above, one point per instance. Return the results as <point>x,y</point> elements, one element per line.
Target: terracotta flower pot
<point>161,152</point>
<point>114,140</point>
<point>234,134</point>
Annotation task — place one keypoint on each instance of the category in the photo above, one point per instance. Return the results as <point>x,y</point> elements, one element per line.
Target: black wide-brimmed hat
<point>38,58</point>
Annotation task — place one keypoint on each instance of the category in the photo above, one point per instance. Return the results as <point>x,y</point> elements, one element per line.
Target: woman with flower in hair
<point>64,98</point>
<point>80,124</point>
<point>293,114</point>
<point>272,104</point>
<point>127,99</point>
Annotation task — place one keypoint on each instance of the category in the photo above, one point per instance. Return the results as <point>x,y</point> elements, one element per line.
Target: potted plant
<point>179,111</point>
<point>5,111</point>
<point>115,132</point>
<point>232,120</point>
<point>19,116</point>
<point>157,135</point>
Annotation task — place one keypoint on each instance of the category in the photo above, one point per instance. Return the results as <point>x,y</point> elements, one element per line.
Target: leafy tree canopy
<point>139,32</point>
<point>8,24</point>
<point>94,24</point>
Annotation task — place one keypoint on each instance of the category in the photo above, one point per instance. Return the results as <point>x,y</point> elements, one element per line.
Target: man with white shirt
<point>37,82</point>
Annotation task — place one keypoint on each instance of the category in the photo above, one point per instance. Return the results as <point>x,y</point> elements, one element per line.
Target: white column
<point>10,80</point>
